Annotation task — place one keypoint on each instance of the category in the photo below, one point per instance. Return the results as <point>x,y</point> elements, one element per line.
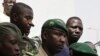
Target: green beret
<point>55,23</point>
<point>12,29</point>
<point>82,48</point>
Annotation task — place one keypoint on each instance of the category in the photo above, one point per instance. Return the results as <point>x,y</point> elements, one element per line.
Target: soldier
<point>53,36</point>
<point>75,29</point>
<point>10,40</point>
<point>22,16</point>
<point>81,49</point>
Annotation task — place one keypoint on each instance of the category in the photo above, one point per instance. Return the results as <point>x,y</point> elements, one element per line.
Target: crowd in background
<point>58,38</point>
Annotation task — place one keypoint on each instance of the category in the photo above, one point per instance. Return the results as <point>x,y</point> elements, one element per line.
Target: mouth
<point>60,46</point>
<point>27,30</point>
<point>17,54</point>
<point>76,35</point>
<point>26,34</point>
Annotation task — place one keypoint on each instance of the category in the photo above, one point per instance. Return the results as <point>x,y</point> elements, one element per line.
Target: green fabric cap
<point>83,48</point>
<point>55,23</point>
<point>12,29</point>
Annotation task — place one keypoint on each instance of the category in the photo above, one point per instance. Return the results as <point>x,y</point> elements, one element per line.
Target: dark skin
<point>75,30</point>
<point>24,21</point>
<point>7,4</point>
<point>54,41</point>
<point>10,46</point>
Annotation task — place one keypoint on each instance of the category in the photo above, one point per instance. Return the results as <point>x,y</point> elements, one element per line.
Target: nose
<point>31,24</point>
<point>17,49</point>
<point>77,31</point>
<point>62,39</point>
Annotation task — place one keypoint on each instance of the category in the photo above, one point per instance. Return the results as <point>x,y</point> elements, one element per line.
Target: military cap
<point>83,48</point>
<point>55,23</point>
<point>10,28</point>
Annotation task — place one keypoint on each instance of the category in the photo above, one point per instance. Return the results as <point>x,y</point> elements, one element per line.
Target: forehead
<point>9,0</point>
<point>25,11</point>
<point>53,30</point>
<point>9,37</point>
<point>75,22</point>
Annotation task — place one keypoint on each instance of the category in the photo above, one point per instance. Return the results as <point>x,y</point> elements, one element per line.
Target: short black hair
<point>74,17</point>
<point>17,10</point>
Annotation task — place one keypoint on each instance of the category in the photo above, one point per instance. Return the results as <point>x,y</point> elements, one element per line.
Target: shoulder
<point>41,52</point>
<point>37,40</point>
<point>29,49</point>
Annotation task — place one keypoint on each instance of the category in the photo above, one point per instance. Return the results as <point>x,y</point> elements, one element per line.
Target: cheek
<point>23,22</point>
<point>7,7</point>
<point>81,32</point>
<point>70,30</point>
<point>55,39</point>
<point>8,49</point>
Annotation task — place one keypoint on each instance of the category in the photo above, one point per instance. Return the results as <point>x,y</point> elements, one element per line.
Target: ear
<point>14,17</point>
<point>45,35</point>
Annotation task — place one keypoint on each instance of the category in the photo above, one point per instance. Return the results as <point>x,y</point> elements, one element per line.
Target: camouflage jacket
<point>30,48</point>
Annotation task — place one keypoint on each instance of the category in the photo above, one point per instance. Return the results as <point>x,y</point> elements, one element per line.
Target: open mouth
<point>76,35</point>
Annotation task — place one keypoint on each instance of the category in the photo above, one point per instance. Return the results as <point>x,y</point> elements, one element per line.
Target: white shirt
<point>4,18</point>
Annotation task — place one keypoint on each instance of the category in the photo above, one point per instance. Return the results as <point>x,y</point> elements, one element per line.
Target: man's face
<point>8,5</point>
<point>9,47</point>
<point>75,29</point>
<point>56,40</point>
<point>25,21</point>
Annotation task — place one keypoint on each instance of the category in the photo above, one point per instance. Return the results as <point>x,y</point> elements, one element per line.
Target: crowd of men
<point>57,37</point>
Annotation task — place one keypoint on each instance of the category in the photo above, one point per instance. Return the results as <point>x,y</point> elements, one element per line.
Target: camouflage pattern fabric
<point>31,47</point>
<point>28,49</point>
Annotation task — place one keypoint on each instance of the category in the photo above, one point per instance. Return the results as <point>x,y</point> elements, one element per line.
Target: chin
<point>57,51</point>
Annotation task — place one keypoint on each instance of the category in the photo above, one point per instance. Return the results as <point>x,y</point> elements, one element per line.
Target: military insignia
<point>60,21</point>
<point>51,23</point>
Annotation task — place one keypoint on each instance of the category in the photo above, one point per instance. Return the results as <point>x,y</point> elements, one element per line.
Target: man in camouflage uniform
<point>22,16</point>
<point>53,36</point>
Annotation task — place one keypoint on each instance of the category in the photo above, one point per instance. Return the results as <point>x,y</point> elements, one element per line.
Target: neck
<point>47,50</point>
<point>6,14</point>
<point>19,26</point>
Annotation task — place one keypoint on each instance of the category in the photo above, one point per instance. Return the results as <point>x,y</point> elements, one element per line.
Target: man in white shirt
<point>7,4</point>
